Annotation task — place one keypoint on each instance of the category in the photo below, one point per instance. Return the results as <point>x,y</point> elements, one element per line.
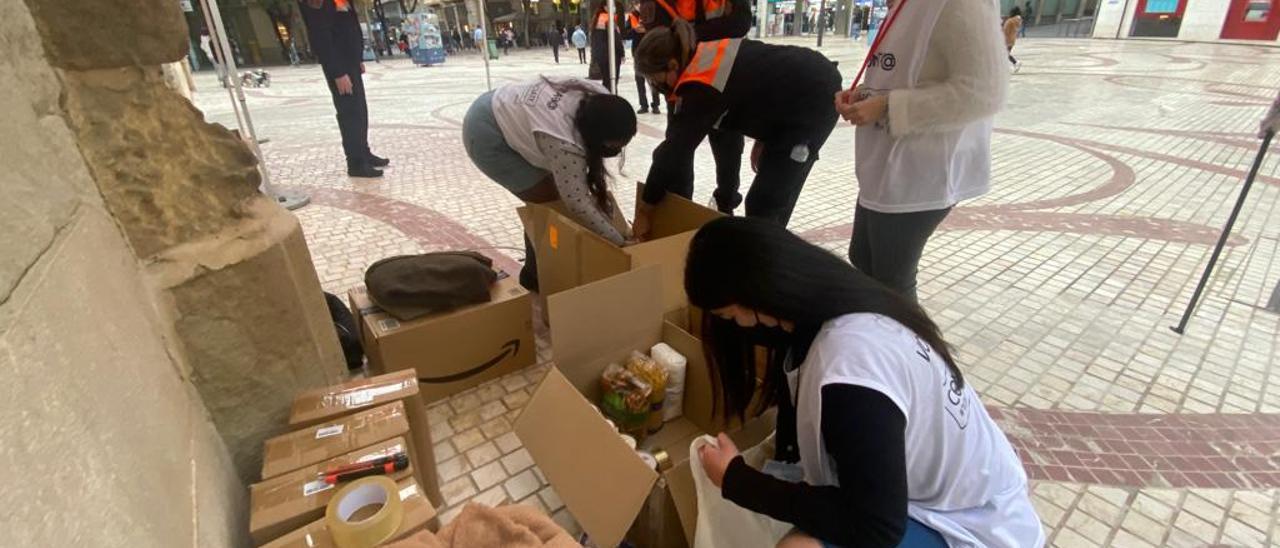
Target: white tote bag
<point>723,524</point>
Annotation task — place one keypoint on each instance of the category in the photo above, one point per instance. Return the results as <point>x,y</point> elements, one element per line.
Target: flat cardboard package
<point>601,480</point>
<point>330,439</point>
<point>453,351</point>
<point>418,514</point>
<point>322,405</point>
<point>570,255</point>
<point>284,503</point>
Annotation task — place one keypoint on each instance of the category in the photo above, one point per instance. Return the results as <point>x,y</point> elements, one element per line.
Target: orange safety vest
<point>633,20</point>
<point>711,64</point>
<point>688,9</point>
<point>342,5</point>
<point>602,21</point>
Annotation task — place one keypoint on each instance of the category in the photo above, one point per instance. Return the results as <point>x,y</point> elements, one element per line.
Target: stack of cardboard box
<point>348,423</point>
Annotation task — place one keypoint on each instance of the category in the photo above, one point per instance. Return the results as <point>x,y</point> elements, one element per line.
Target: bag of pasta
<point>653,373</point>
<point>625,398</point>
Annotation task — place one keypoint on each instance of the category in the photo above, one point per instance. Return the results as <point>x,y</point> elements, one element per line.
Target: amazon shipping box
<point>452,351</point>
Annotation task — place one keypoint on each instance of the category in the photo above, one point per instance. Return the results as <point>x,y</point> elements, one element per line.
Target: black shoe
<point>363,170</point>
<point>643,110</point>
<point>657,110</point>
<point>378,161</point>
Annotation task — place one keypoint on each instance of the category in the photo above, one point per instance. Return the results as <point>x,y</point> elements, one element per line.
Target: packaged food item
<point>676,365</point>
<point>629,440</point>
<point>647,369</point>
<point>648,459</point>
<point>625,399</point>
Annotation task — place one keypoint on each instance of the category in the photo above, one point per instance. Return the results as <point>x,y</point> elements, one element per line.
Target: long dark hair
<point>761,266</point>
<point>602,118</point>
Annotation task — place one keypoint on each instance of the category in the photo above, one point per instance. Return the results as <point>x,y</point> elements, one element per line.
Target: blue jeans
<point>918,535</point>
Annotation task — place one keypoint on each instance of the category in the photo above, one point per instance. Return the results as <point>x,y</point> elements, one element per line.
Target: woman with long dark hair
<point>546,140</point>
<point>894,447</point>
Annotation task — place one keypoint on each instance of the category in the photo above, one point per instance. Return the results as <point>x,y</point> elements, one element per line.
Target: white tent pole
<point>613,63</point>
<point>214,20</point>
<point>215,33</point>
<point>484,48</point>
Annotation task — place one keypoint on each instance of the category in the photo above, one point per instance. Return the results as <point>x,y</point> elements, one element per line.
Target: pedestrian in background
<point>635,32</point>
<point>1012,26</point>
<point>1022,31</point>
<point>555,37</point>
<point>600,44</point>
<point>580,42</point>
<point>923,142</point>
<point>336,39</point>
<point>478,36</point>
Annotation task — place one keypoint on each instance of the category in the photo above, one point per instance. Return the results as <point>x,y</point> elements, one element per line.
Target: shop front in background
<point>1252,20</point>
<point>1158,18</point>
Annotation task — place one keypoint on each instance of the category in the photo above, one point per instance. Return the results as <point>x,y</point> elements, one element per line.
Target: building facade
<point>1246,21</point>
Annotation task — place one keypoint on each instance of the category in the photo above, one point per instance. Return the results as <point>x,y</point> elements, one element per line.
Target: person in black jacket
<point>600,44</point>
<point>335,36</point>
<point>774,94</point>
<point>635,32</point>
<point>711,20</point>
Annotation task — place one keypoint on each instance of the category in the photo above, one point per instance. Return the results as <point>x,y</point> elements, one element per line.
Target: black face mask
<point>767,336</point>
<point>609,152</point>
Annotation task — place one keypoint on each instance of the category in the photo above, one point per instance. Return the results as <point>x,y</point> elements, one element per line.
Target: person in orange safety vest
<point>711,20</point>
<point>778,95</point>
<point>600,44</point>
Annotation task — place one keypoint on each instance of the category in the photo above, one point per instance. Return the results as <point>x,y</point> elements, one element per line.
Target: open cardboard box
<point>601,480</point>
<point>455,350</point>
<point>570,255</point>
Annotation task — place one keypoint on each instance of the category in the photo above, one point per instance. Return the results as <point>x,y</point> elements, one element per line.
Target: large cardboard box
<point>418,514</point>
<point>284,503</point>
<point>456,350</point>
<point>601,480</point>
<point>570,255</point>
<point>327,440</point>
<point>323,405</point>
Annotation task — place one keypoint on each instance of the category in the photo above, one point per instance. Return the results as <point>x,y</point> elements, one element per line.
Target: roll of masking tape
<point>663,460</point>
<point>365,513</point>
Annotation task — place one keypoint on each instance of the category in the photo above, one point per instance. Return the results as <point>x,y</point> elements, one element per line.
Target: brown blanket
<point>479,526</point>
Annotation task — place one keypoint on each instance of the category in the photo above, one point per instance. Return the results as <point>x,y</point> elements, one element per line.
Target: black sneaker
<point>657,110</point>
<point>378,161</point>
<point>643,110</point>
<point>364,170</point>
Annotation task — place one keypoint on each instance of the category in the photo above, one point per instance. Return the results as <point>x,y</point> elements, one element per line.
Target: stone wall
<point>157,313</point>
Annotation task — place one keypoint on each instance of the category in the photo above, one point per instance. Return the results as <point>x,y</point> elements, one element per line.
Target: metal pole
<point>288,201</point>
<point>484,47</point>
<point>822,20</point>
<point>613,63</point>
<point>1226,232</point>
<point>214,31</point>
<point>762,18</point>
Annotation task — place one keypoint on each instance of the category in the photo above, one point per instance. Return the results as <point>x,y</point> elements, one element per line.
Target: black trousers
<point>641,84</point>
<point>582,56</point>
<point>555,51</point>
<point>888,246</point>
<point>353,120</point>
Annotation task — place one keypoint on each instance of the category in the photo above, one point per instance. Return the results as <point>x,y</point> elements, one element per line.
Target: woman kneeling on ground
<point>546,140</point>
<point>894,448</point>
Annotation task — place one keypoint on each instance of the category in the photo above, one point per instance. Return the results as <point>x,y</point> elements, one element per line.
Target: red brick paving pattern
<point>1147,450</point>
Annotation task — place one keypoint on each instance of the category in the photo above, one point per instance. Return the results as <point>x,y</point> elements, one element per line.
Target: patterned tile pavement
<point>1115,165</point>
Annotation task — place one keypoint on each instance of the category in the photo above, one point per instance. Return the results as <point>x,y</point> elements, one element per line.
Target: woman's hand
<point>715,460</point>
<point>861,112</point>
<point>643,223</point>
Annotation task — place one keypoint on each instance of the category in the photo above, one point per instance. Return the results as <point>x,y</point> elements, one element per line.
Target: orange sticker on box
<point>554,235</point>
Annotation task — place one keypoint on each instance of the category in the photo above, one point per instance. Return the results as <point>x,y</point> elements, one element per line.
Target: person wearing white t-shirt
<point>545,141</point>
<point>924,116</point>
<point>883,441</point>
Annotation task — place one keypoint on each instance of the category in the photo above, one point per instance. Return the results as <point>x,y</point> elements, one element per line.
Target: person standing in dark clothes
<point>555,38</point>
<point>335,35</point>
<point>635,32</point>
<point>600,44</point>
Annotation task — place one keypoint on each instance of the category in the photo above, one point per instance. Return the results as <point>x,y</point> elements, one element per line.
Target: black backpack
<point>348,333</point>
